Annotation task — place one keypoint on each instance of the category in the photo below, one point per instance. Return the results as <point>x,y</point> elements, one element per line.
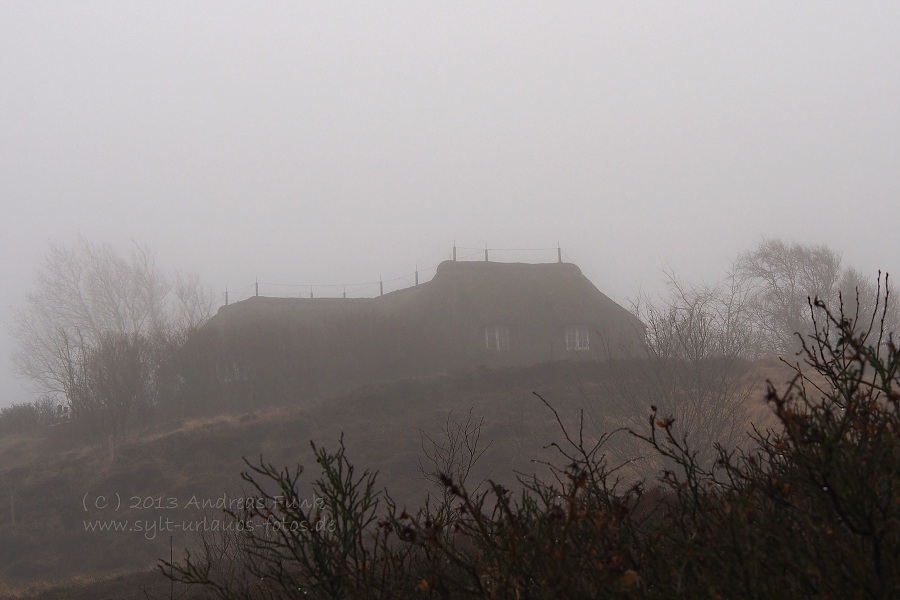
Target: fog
<point>339,143</point>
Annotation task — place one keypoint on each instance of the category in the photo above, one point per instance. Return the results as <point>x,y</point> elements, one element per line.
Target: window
<point>577,338</point>
<point>496,337</point>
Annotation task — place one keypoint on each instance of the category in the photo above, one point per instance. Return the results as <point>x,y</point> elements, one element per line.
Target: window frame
<point>496,338</point>
<point>578,338</point>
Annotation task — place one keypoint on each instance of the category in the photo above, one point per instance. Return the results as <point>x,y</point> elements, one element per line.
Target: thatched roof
<point>437,326</point>
<point>486,291</point>
<point>516,293</point>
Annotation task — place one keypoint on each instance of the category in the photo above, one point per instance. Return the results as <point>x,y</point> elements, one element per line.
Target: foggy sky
<point>339,142</point>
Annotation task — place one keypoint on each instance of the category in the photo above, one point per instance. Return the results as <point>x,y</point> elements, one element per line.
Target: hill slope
<point>164,481</point>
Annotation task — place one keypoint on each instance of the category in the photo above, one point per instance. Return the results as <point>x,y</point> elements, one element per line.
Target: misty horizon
<point>308,144</point>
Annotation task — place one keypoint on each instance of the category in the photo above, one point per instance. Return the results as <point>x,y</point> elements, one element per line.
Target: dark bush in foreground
<point>812,510</point>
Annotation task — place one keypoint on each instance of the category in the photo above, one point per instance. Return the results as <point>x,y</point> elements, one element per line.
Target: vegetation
<point>28,417</point>
<point>776,279</point>
<point>100,330</point>
<point>811,510</point>
<point>680,502</point>
<point>118,343</point>
<point>699,365</point>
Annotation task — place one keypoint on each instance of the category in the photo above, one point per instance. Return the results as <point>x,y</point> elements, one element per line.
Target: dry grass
<point>113,586</point>
<point>202,457</point>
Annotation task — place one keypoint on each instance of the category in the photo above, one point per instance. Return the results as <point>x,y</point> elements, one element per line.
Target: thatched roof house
<point>470,314</point>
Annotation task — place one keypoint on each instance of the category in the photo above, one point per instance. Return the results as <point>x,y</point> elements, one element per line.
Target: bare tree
<point>96,326</point>
<point>192,305</point>
<point>114,387</point>
<point>452,456</point>
<point>83,293</point>
<point>696,322</point>
<point>783,277</point>
<point>699,342</point>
